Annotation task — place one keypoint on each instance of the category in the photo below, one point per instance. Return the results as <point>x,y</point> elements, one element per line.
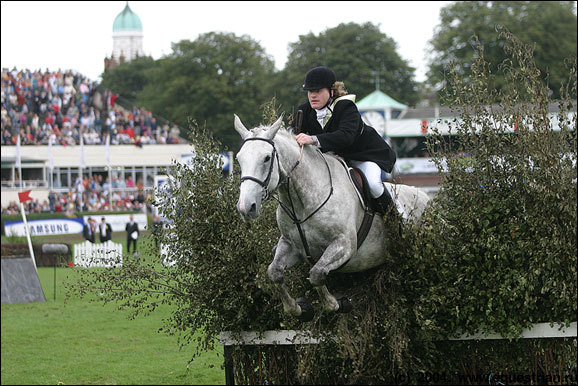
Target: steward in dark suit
<point>332,121</point>
<point>88,231</point>
<point>131,228</point>
<point>105,231</point>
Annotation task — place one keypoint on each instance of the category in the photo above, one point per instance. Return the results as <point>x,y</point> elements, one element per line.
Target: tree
<point>355,52</point>
<point>208,80</point>
<point>550,26</point>
<point>128,79</point>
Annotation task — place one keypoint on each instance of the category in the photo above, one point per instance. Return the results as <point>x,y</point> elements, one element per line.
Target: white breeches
<point>373,174</point>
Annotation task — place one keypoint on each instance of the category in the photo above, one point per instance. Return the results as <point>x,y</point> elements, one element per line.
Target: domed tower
<point>127,38</point>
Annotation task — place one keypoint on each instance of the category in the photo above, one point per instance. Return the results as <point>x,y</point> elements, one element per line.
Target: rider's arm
<point>348,121</point>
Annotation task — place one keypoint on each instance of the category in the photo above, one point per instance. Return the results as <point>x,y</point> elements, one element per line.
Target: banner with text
<point>55,226</point>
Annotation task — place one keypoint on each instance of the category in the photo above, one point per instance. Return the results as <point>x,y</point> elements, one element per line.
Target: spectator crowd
<point>65,106</point>
<point>90,194</point>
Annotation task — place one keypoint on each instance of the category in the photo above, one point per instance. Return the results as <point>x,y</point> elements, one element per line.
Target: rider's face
<point>318,98</point>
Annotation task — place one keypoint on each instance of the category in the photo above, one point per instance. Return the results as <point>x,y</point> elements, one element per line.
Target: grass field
<point>83,342</point>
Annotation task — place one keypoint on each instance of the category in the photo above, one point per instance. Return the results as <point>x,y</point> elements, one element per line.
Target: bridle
<point>265,183</point>
<point>289,210</point>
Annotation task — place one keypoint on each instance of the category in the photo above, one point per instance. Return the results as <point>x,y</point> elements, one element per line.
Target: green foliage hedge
<point>496,251</point>
<point>507,241</point>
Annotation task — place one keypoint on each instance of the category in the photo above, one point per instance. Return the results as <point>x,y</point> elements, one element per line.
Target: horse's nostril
<point>253,207</point>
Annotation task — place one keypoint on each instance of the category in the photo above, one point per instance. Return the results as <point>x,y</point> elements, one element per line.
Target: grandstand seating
<point>62,107</point>
<point>65,106</point>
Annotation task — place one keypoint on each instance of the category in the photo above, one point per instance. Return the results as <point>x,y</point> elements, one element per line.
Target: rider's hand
<point>304,139</point>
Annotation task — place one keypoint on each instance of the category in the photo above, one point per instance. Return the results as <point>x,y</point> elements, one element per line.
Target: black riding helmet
<point>318,78</point>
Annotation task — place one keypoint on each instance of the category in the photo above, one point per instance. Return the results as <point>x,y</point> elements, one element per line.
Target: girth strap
<point>365,227</point>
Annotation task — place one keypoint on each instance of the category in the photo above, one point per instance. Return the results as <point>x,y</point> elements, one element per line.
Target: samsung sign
<point>57,226</point>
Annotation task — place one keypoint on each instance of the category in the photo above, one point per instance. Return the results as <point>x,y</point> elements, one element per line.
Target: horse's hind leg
<point>286,256</point>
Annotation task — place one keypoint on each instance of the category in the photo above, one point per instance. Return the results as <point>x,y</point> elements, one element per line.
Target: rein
<point>289,210</point>
<point>293,216</point>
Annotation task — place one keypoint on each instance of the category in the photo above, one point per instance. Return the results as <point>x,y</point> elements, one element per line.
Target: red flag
<point>25,196</point>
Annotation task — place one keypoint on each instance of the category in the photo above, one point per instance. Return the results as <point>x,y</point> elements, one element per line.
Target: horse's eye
<point>267,158</point>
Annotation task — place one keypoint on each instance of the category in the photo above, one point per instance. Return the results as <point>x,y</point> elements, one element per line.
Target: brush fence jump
<point>229,339</point>
<point>266,338</point>
<point>107,254</point>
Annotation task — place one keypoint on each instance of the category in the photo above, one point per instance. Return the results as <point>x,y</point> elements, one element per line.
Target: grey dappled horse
<point>317,200</point>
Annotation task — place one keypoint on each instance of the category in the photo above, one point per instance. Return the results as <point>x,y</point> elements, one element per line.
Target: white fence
<point>108,254</point>
<point>292,337</point>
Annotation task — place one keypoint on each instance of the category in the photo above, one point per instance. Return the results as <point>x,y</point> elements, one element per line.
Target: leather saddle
<point>362,186</point>
<point>360,183</point>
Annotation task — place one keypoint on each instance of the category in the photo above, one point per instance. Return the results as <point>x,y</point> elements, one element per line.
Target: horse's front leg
<point>286,256</point>
<point>336,254</point>
<point>329,301</point>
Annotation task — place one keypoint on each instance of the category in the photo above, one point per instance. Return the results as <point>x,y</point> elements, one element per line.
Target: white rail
<point>292,337</point>
<point>107,254</point>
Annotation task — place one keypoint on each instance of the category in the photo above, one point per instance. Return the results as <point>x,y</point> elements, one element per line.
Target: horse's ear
<point>275,127</point>
<point>240,128</point>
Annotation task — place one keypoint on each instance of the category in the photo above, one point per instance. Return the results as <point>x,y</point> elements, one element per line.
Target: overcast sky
<point>78,35</point>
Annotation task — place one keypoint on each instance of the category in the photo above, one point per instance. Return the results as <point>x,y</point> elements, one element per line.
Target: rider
<point>332,122</point>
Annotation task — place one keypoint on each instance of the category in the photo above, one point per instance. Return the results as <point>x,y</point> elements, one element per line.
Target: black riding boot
<point>383,203</point>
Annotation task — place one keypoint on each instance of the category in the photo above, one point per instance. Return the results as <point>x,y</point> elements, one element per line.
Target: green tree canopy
<point>219,74</point>
<point>355,52</point>
<point>550,26</point>
<point>128,79</point>
<point>208,80</point>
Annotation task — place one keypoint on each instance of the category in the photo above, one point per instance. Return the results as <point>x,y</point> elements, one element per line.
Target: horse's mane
<point>259,130</point>
<point>287,134</point>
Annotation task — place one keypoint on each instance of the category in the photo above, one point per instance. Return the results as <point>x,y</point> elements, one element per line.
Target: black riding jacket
<point>347,135</point>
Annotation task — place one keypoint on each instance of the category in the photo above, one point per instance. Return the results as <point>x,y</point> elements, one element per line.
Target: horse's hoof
<point>345,305</point>
<point>307,311</point>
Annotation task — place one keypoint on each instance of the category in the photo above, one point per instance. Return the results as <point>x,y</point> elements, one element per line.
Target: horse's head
<point>259,164</point>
